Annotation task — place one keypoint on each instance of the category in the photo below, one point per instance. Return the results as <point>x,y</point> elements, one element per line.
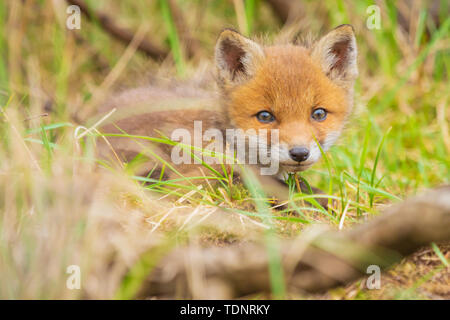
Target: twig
<point>281,8</point>
<point>36,117</point>
<point>286,10</point>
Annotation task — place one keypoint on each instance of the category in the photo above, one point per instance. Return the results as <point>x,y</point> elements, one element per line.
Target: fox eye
<point>265,117</point>
<point>319,114</point>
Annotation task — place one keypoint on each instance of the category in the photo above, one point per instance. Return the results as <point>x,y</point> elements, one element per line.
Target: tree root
<point>315,262</point>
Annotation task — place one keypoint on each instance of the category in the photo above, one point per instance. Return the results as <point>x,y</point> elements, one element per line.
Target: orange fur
<point>289,81</point>
<point>289,84</point>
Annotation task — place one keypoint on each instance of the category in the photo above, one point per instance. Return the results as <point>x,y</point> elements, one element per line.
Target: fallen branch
<point>285,10</point>
<point>325,261</point>
<point>122,34</point>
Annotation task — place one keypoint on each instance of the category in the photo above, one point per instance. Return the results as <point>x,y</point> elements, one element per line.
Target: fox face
<point>306,94</point>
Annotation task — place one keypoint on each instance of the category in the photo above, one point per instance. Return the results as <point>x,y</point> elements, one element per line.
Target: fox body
<point>303,93</point>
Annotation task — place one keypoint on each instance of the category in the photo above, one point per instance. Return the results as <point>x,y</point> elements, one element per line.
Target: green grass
<point>60,205</point>
<point>174,42</point>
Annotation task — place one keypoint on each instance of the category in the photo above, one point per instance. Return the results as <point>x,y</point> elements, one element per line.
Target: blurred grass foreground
<point>63,212</point>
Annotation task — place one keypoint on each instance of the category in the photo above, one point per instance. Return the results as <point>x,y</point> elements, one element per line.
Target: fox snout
<point>299,154</point>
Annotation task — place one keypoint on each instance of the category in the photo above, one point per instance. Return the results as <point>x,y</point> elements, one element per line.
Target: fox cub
<point>304,94</point>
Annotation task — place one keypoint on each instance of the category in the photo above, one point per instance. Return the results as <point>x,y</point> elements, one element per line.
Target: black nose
<point>299,154</point>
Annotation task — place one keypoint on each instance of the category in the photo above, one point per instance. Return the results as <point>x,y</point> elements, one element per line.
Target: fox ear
<point>337,52</point>
<point>236,57</point>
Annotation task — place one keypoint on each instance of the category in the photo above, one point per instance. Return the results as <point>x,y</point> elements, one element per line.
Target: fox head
<point>304,93</point>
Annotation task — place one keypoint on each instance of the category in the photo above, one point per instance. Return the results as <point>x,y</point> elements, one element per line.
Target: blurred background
<point>56,67</point>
